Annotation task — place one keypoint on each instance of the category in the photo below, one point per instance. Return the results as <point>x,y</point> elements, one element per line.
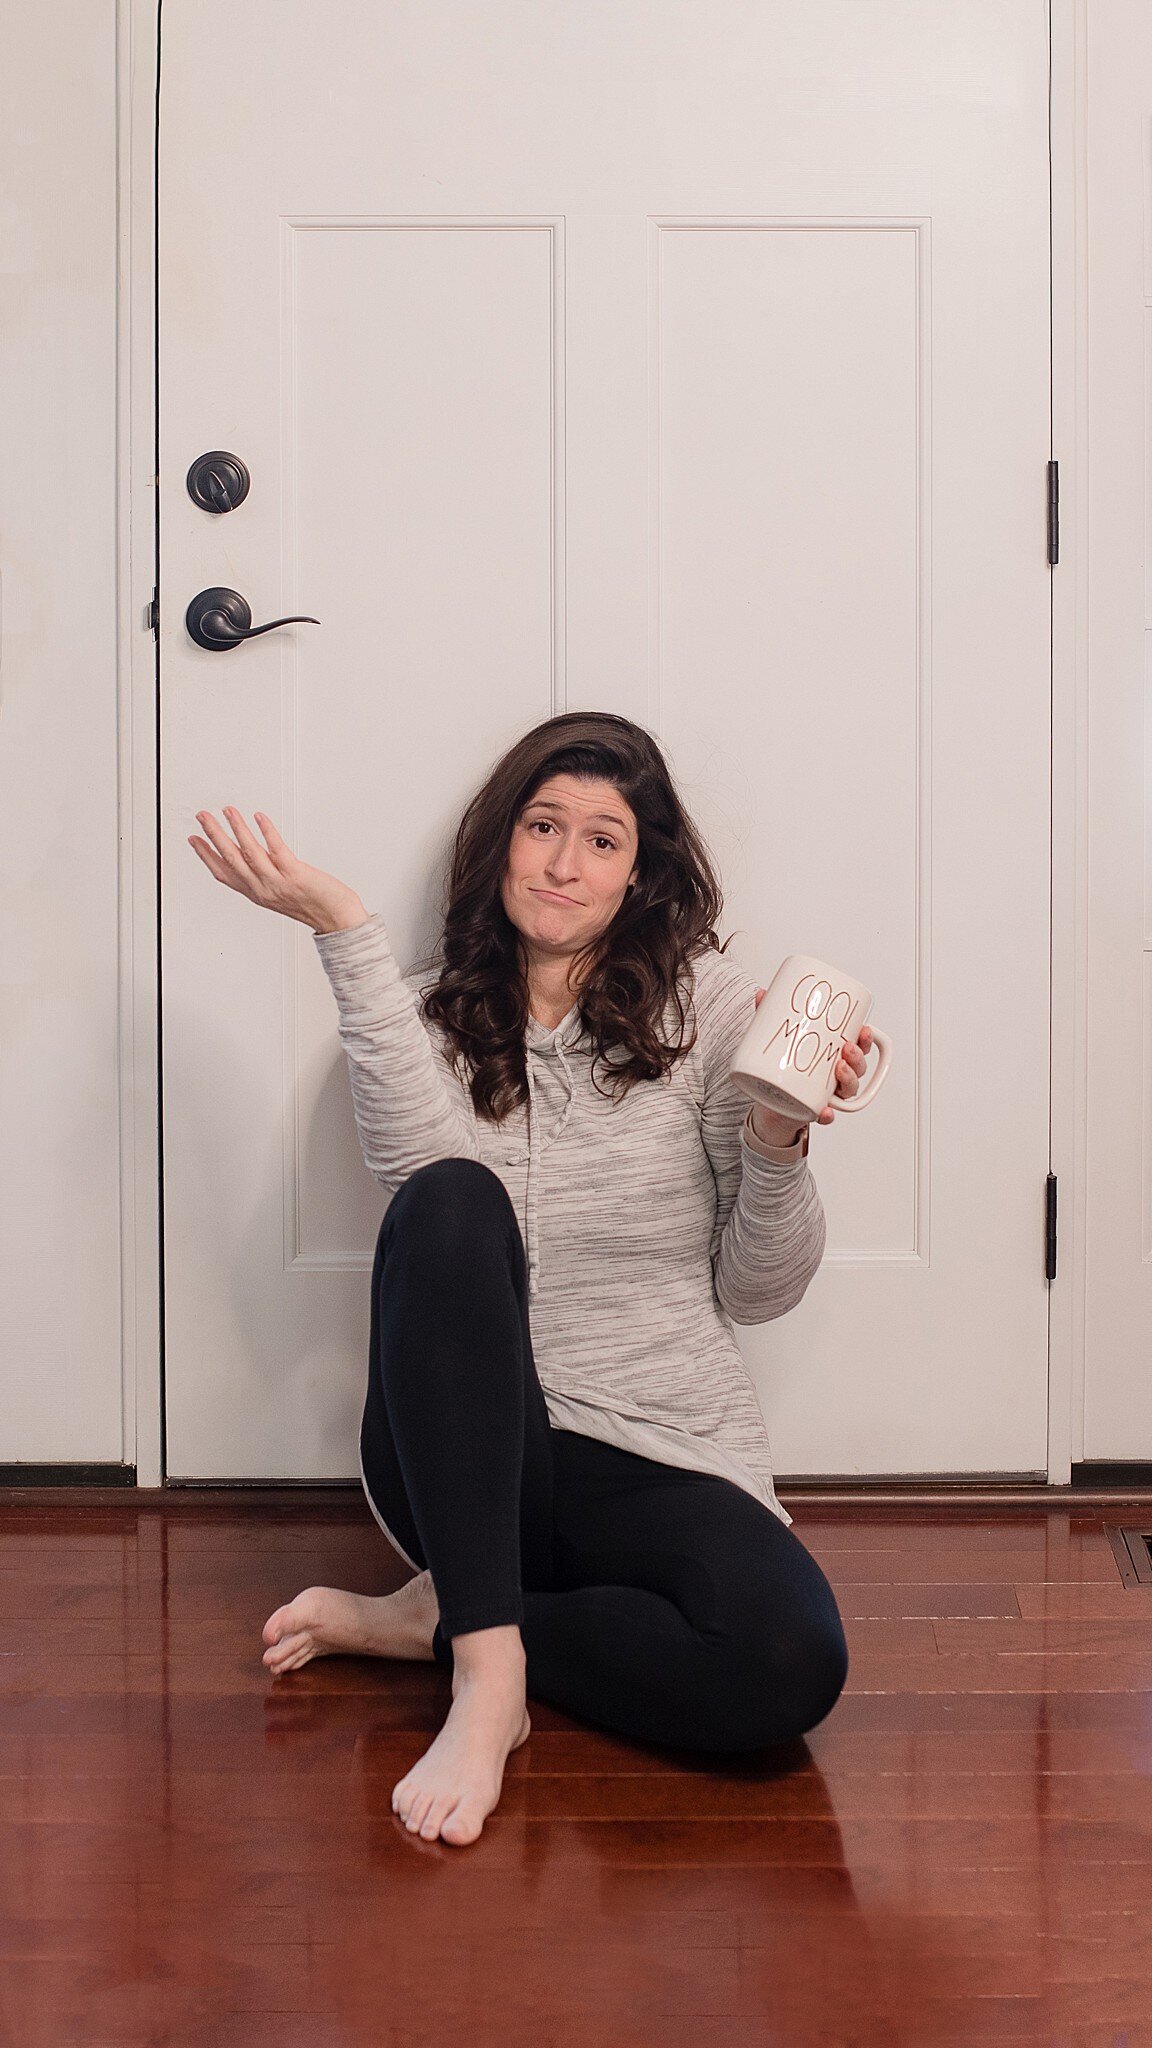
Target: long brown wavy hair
<point>633,967</point>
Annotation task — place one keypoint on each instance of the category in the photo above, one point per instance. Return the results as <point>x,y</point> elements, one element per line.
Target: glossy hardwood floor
<point>192,1852</point>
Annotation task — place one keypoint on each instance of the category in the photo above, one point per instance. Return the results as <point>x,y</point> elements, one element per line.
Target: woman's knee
<point>447,1205</point>
<point>791,1680</point>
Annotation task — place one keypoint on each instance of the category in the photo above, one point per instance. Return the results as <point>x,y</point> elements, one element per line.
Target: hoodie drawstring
<point>535,1147</point>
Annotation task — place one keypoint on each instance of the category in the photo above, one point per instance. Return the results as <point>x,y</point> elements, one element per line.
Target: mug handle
<point>871,1086</point>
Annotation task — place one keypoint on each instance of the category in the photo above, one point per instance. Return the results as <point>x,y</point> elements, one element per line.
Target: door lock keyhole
<point>218,481</point>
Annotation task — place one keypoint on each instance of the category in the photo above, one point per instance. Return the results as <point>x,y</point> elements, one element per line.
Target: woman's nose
<point>563,863</point>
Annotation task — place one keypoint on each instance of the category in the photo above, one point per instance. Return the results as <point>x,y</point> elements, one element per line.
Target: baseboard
<point>1105,1476</point>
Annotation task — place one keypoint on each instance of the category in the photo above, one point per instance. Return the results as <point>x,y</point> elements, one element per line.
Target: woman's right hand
<point>272,876</point>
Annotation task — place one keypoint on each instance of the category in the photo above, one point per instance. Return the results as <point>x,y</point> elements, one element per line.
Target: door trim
<point>137,62</point>
<point>1068,1038</point>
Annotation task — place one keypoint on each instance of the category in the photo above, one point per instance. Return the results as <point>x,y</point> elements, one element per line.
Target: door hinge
<point>1053,512</point>
<point>154,613</point>
<point>1050,1229</point>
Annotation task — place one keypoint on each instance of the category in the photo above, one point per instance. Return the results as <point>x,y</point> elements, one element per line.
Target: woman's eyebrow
<point>596,818</point>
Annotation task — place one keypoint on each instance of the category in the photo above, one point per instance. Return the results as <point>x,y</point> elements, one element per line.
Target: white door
<point>687,361</point>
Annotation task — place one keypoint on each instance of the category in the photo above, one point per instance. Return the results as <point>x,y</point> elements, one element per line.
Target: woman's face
<point>579,840</point>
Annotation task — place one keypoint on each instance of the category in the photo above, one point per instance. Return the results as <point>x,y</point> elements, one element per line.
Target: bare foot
<point>324,1619</point>
<point>456,1783</point>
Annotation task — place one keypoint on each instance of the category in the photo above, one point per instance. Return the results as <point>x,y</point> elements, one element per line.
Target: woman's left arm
<point>770,1228</point>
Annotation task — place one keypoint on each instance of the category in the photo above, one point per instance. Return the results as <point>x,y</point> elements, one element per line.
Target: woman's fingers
<point>232,865</point>
<point>213,830</point>
<point>256,855</point>
<point>278,845</point>
<point>216,866</point>
<point>208,857</point>
<point>226,848</point>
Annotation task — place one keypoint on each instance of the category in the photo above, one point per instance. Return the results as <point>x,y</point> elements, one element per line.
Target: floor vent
<point>1132,1549</point>
<point>67,1475</point>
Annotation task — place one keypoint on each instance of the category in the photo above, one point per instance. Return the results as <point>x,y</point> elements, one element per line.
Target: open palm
<point>271,875</point>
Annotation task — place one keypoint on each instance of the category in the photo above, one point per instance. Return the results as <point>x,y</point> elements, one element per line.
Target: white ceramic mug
<point>805,1018</point>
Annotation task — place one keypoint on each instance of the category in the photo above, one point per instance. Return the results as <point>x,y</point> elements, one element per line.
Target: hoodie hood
<point>542,1044</point>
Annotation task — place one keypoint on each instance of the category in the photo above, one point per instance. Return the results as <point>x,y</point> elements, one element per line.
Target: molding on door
<point>137,50</point>
<point>1069,1023</point>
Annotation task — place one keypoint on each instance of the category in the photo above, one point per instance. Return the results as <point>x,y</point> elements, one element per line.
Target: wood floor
<point>194,1853</point>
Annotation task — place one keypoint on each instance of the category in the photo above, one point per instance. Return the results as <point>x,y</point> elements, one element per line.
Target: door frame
<point>138,56</point>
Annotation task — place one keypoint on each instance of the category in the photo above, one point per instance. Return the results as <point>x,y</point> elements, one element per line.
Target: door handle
<point>220,618</point>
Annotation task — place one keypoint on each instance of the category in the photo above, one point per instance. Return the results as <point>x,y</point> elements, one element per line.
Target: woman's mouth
<point>551,896</point>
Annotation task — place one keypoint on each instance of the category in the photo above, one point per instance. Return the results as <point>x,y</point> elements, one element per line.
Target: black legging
<point>666,1605</point>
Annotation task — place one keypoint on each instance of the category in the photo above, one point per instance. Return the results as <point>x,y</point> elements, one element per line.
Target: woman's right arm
<point>410,1108</point>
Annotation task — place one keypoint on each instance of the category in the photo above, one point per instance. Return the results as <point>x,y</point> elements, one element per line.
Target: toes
<point>418,1810</point>
<point>287,1653</point>
<point>294,1616</point>
<point>461,1825</point>
<point>285,1622</point>
<point>430,1825</point>
<point>430,1815</point>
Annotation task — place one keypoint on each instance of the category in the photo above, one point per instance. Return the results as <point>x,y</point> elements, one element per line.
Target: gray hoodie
<point>650,1225</point>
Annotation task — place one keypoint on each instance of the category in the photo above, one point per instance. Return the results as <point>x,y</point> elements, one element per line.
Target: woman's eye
<point>548,822</point>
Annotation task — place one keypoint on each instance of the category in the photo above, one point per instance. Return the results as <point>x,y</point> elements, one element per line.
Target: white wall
<point>60,1339</point>
<point>78,1207</point>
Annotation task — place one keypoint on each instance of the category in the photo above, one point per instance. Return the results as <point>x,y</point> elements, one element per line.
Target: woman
<point>560,1435</point>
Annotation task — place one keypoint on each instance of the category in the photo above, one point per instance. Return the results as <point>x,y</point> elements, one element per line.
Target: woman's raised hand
<point>271,875</point>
